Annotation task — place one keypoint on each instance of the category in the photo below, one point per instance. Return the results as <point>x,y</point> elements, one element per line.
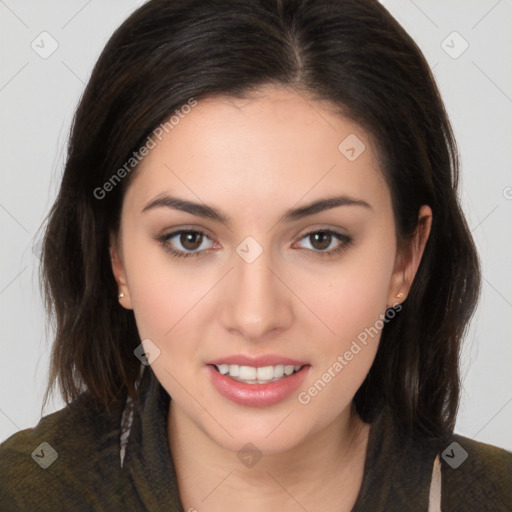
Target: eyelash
<point>346,243</point>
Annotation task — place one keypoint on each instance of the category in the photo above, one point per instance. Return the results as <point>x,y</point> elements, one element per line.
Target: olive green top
<point>73,461</point>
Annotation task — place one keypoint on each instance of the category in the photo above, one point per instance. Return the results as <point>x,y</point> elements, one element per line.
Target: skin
<point>254,159</point>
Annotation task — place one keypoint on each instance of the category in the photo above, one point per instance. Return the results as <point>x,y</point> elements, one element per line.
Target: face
<point>257,288</point>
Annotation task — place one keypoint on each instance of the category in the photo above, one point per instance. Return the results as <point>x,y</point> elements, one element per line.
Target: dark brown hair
<point>350,52</point>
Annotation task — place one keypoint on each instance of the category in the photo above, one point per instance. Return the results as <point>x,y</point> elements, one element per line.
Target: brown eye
<point>184,243</point>
<point>191,240</point>
<point>321,240</point>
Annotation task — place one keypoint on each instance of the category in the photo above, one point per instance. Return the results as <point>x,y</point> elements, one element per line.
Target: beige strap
<point>434,499</point>
<point>127,418</point>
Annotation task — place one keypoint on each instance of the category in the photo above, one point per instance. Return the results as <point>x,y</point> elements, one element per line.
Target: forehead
<point>276,146</point>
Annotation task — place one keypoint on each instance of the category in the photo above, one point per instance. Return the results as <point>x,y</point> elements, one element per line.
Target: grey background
<point>37,99</point>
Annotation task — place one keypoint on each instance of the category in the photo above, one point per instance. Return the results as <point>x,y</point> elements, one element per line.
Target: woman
<point>260,275</point>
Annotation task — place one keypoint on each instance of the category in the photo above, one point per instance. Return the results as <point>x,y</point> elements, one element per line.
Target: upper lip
<point>257,361</point>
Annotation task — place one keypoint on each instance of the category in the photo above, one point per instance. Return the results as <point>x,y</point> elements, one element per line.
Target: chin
<point>271,432</point>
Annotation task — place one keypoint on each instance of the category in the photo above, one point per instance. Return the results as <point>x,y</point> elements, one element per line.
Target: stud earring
<point>399,295</point>
<point>121,295</point>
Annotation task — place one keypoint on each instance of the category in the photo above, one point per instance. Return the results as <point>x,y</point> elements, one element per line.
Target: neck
<point>327,467</point>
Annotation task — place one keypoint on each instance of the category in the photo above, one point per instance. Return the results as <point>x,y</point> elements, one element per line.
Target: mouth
<point>245,381</point>
<point>257,375</point>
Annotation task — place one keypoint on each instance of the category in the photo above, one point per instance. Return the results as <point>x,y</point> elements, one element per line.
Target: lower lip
<point>257,395</point>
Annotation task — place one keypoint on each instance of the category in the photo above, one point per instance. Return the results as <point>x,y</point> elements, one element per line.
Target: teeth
<point>279,371</point>
<point>254,375</point>
<point>265,373</point>
<point>247,373</point>
<point>223,368</point>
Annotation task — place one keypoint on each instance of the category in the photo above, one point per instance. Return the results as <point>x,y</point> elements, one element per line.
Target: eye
<point>322,239</point>
<point>190,240</point>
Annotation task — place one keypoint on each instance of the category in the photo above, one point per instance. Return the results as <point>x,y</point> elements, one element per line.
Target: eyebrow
<point>203,210</point>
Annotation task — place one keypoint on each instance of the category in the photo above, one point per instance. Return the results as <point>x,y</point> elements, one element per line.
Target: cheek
<point>155,291</point>
<point>350,298</point>
<point>354,310</point>
<point>351,295</point>
<point>170,298</point>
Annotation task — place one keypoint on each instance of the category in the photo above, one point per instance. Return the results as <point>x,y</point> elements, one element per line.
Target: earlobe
<point>408,262</point>
<point>398,288</point>
<point>119,273</point>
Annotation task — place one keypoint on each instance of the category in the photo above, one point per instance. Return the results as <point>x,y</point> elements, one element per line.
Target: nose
<point>258,301</point>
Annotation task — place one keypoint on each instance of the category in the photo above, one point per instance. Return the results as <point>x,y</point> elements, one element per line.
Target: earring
<point>399,295</point>
<point>121,295</point>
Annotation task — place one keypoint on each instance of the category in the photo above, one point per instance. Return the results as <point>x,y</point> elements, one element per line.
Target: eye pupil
<point>187,240</point>
<point>322,235</point>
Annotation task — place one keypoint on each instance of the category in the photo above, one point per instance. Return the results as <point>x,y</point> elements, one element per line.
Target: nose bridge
<point>257,299</point>
<point>255,286</point>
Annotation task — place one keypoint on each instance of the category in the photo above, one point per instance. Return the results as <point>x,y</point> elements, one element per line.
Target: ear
<point>116,259</point>
<point>408,261</point>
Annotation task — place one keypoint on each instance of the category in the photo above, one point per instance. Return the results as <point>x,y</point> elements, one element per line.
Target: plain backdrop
<point>468,43</point>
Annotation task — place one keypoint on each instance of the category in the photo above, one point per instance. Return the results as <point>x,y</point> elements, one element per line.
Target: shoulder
<point>50,466</point>
<point>475,476</point>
